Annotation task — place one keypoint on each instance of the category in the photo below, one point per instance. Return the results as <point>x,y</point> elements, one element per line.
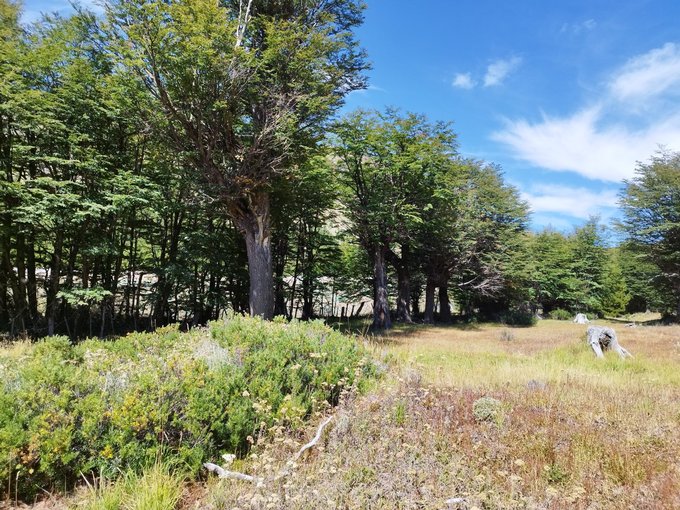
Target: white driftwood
<point>581,318</point>
<point>224,473</point>
<point>601,339</point>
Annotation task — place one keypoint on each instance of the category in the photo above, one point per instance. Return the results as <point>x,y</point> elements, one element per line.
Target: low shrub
<point>487,409</point>
<point>518,317</point>
<point>106,406</point>
<point>560,314</point>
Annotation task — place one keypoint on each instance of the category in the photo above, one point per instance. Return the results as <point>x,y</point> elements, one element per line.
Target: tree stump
<point>602,339</point>
<point>581,318</point>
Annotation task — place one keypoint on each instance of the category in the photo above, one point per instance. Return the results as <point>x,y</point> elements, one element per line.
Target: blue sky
<point>565,96</point>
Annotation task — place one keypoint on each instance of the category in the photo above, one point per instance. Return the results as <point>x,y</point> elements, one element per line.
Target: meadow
<point>569,431</point>
<point>479,416</point>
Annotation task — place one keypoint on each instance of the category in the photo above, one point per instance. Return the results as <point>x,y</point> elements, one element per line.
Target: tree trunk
<point>53,284</point>
<point>429,301</point>
<point>254,222</point>
<point>401,266</point>
<point>403,295</point>
<point>381,307</point>
<point>444,304</point>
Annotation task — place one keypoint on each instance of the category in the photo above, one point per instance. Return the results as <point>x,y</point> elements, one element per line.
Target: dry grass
<point>574,432</point>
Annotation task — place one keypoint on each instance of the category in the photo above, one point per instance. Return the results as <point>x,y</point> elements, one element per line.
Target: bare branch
<point>290,465</point>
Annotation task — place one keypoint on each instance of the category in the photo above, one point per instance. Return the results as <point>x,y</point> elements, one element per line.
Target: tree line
<point>174,160</point>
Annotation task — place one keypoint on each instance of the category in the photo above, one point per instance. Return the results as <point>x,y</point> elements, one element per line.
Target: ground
<point>556,429</point>
<point>570,431</point>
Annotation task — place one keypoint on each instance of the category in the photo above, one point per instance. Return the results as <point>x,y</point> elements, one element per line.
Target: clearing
<point>571,431</point>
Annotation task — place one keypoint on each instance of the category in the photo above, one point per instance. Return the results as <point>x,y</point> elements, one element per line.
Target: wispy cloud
<point>463,81</point>
<point>498,70</point>
<point>594,141</point>
<point>578,28</point>
<point>577,202</point>
<point>648,75</point>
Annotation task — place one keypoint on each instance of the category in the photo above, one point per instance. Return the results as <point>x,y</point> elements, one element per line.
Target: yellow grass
<point>552,351</point>
<point>573,432</point>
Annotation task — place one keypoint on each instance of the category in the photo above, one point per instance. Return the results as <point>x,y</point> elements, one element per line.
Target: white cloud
<point>463,81</point>
<point>577,28</point>
<point>577,202</point>
<point>648,75</point>
<point>592,144</point>
<point>498,70</point>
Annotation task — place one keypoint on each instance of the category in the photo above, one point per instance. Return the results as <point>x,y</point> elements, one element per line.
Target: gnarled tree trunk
<point>254,221</point>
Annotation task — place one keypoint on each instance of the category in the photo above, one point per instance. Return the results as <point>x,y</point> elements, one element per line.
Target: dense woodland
<point>173,161</point>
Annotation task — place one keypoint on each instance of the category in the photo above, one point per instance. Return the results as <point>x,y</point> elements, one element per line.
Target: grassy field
<point>564,431</point>
<point>570,431</point>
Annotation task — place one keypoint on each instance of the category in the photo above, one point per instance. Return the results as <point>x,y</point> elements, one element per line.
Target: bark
<point>403,296</point>
<point>254,221</point>
<point>400,265</point>
<point>429,301</point>
<point>444,304</point>
<point>381,307</point>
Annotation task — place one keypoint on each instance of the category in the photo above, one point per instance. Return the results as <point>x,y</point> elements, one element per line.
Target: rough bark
<point>254,221</point>
<point>444,304</point>
<point>381,307</point>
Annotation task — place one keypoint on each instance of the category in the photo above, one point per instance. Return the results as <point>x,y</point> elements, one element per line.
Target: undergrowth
<point>99,408</point>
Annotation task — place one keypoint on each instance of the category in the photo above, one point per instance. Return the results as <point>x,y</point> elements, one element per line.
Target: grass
<point>569,431</point>
<point>572,431</point>
<point>157,488</point>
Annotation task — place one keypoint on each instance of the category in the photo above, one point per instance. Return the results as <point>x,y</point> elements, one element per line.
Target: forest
<point>171,162</point>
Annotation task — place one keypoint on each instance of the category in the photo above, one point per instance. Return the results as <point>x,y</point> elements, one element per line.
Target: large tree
<point>651,210</point>
<point>246,87</point>
<point>386,163</point>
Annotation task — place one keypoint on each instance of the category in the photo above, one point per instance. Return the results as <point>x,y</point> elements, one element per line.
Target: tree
<point>246,88</point>
<point>651,220</point>
<point>469,231</point>
<point>386,163</point>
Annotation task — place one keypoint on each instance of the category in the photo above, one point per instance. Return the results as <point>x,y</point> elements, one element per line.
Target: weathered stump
<point>581,318</point>
<point>603,339</point>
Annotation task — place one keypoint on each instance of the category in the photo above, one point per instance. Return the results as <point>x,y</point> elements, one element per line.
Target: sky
<point>567,97</point>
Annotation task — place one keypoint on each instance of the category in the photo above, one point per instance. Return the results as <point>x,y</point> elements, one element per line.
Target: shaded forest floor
<point>566,430</point>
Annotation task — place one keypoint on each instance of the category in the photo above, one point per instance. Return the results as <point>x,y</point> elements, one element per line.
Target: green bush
<point>560,314</point>
<point>518,317</point>
<point>102,406</point>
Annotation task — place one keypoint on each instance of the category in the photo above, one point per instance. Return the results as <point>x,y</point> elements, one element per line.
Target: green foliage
<point>98,407</point>
<point>518,316</point>
<point>651,210</point>
<point>156,488</point>
<point>488,409</point>
<point>560,314</point>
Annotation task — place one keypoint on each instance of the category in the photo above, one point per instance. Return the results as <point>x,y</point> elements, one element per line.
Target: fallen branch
<point>224,473</point>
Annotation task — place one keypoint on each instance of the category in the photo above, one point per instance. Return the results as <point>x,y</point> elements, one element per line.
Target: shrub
<point>487,409</point>
<point>106,406</point>
<point>560,314</point>
<point>518,317</point>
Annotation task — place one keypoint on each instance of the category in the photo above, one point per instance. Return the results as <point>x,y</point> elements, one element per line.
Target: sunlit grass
<point>553,351</point>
